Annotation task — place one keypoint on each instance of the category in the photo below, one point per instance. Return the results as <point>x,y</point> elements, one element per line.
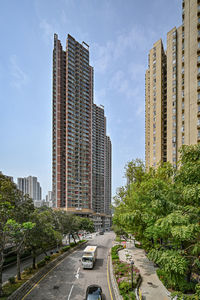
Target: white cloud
<point>19,77</point>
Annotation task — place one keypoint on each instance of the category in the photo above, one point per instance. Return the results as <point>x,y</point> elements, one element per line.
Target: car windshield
<point>94,297</point>
<point>85,259</point>
<point>94,293</point>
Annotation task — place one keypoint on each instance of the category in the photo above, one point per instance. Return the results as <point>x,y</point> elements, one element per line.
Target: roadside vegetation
<point>122,272</point>
<point>161,208</point>
<point>25,229</point>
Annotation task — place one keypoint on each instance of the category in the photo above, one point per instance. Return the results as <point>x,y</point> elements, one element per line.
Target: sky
<point>120,34</point>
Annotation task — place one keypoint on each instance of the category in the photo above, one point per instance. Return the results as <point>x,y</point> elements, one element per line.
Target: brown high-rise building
<point>72,126</point>
<point>173,116</point>
<point>80,154</point>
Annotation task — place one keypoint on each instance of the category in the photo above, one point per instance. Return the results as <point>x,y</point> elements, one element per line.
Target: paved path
<point>151,287</point>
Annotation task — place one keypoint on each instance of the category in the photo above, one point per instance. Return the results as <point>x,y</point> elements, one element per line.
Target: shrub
<point>197,289</point>
<point>124,287</point>
<point>72,244</point>
<point>66,248</point>
<point>12,280</point>
<point>47,258</point>
<point>41,263</point>
<point>180,285</point>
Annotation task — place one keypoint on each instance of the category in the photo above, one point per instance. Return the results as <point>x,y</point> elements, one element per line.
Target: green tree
<point>18,233</point>
<point>43,235</point>
<point>11,199</point>
<point>162,211</point>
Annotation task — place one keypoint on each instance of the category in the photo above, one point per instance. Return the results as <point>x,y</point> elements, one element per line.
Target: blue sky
<point>120,34</point>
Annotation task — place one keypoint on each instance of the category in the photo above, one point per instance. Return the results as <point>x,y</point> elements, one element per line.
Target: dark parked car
<point>94,292</point>
<point>101,232</point>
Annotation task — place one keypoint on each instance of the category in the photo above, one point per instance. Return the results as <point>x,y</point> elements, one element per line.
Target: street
<point>69,281</point>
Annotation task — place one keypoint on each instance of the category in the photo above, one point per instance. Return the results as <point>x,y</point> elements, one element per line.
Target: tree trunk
<point>1,271</point>
<point>34,260</point>
<point>18,266</point>
<point>74,239</point>
<point>1,281</point>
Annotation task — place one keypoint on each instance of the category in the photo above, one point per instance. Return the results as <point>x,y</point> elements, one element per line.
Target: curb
<point>29,284</point>
<point>113,281</point>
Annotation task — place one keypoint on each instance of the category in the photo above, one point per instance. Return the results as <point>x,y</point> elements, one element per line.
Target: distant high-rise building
<point>173,90</point>
<point>98,159</point>
<point>108,175</point>
<point>79,132</point>
<point>29,185</point>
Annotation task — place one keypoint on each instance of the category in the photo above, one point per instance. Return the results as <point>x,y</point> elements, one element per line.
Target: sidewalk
<point>151,287</point>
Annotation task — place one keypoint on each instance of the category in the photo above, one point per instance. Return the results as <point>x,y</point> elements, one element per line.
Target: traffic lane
<point>58,283</point>
<point>98,275</point>
<point>69,280</point>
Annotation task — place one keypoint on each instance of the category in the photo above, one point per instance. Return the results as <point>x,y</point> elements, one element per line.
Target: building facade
<point>98,159</point>
<point>172,111</point>
<point>79,134</point>
<point>29,185</point>
<point>108,176</point>
<point>72,126</point>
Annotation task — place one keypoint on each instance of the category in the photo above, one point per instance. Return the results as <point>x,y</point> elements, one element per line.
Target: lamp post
<point>132,263</point>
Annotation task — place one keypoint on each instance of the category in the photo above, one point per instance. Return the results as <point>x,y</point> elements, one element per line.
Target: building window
<point>198,58</point>
<point>174,33</point>
<point>183,117</point>
<point>198,84</point>
<point>199,45</point>
<point>198,122</point>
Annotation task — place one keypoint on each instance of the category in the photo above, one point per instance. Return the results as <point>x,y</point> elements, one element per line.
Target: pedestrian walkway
<point>151,287</point>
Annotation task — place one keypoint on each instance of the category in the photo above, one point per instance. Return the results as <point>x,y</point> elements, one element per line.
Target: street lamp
<point>132,263</point>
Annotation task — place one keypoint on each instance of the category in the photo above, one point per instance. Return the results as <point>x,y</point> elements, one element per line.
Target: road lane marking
<point>108,279</point>
<point>43,277</point>
<point>77,274</point>
<point>70,292</point>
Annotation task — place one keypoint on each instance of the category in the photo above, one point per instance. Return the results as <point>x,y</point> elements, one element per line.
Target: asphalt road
<point>69,280</point>
<point>27,262</point>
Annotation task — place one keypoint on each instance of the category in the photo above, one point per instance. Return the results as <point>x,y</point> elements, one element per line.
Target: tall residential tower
<point>172,116</point>
<point>79,134</point>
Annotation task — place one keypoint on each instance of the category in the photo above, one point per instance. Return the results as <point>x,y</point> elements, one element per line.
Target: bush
<point>72,244</point>
<point>66,248</point>
<point>180,285</point>
<point>47,258</point>
<point>124,287</point>
<point>11,280</point>
<point>41,263</point>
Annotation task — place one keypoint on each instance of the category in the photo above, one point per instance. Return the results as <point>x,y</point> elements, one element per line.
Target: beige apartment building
<point>172,116</point>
